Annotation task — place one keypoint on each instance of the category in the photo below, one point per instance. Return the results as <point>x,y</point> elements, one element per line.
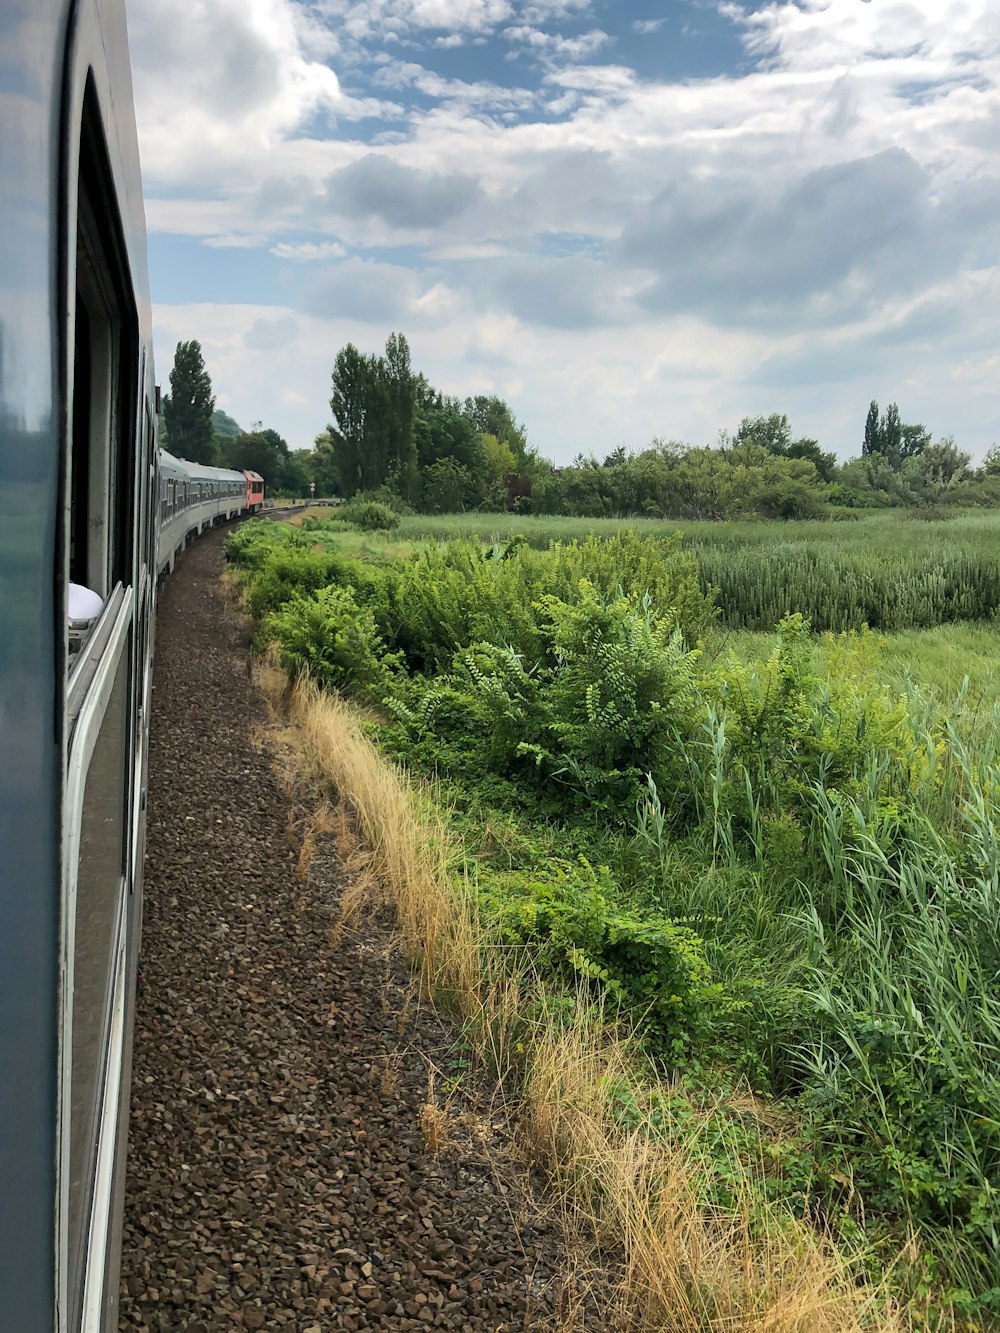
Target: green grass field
<point>870,530</point>
<point>778,851</point>
<point>889,570</point>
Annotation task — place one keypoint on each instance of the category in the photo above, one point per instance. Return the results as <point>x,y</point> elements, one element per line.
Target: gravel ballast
<point>280,1169</point>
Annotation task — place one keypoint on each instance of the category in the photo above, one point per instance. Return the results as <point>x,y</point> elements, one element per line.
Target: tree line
<point>395,437</point>
<point>394,432</point>
<point>192,427</point>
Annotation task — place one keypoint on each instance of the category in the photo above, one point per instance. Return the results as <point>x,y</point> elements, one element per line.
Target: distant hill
<point>224,427</point>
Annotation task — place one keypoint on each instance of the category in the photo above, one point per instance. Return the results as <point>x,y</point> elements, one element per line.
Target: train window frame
<point>99,462</point>
<point>99,549</point>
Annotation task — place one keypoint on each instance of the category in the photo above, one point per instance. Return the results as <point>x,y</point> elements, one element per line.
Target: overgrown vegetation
<point>633,1157</point>
<point>890,571</point>
<point>396,440</point>
<point>780,872</point>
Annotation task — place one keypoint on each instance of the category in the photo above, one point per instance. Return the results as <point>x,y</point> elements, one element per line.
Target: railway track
<point>279,1176</point>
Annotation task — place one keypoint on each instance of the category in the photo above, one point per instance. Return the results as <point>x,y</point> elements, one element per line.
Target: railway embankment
<point>292,1163</point>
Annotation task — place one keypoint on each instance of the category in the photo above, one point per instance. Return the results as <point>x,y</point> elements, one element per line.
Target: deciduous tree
<point>259,450</point>
<point>189,406</point>
<point>914,439</point>
<point>890,432</point>
<point>872,441</point>
<point>401,401</point>
<point>355,410</point>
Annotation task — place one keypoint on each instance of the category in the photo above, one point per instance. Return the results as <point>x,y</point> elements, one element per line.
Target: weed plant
<point>782,873</point>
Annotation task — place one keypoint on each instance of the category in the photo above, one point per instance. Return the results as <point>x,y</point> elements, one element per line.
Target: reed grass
<point>888,570</point>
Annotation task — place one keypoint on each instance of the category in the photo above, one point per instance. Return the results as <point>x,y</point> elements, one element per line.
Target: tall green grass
<point>891,571</point>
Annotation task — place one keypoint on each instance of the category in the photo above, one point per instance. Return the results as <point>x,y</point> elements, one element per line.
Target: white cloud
<point>798,237</point>
<point>556,46</point>
<point>308,251</point>
<point>586,389</point>
<point>364,19</point>
<point>221,84</point>
<point>395,75</point>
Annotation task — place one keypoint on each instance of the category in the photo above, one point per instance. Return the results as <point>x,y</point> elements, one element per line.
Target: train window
<point>101,471</point>
<point>101,481</point>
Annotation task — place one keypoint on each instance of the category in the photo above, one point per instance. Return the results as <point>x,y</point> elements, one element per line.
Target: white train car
<point>194,497</point>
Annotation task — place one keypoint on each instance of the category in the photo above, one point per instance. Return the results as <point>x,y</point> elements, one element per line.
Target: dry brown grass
<point>405,834</point>
<point>314,827</point>
<point>687,1268</point>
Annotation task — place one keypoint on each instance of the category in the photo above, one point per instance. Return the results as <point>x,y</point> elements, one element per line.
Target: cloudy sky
<point>630,219</point>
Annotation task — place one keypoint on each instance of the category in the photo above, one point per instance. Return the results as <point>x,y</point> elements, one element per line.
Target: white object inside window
<point>83,606</point>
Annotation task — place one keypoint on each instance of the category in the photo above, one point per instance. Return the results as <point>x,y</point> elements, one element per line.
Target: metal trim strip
<point>80,752</point>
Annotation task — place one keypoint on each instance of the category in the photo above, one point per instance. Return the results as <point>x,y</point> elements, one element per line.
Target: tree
<point>943,464</point>
<point>913,440</point>
<point>445,485</point>
<point>401,396</point>
<point>323,464</point>
<point>259,450</point>
<point>297,473</point>
<point>374,401</point>
<point>499,463</point>
<point>772,433</point>
<point>357,409</point>
<point>189,406</point>
<point>443,430</point>
<point>891,437</point>
<point>824,463</point>
<point>492,416</point>
<point>873,439</point>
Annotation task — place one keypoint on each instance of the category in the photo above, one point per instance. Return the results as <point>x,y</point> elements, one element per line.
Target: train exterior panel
<point>90,514</point>
<point>77,465</point>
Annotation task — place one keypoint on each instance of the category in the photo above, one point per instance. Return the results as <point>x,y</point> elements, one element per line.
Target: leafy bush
<point>294,569</point>
<point>611,698</point>
<point>621,694</point>
<point>451,596</point>
<point>369,515</point>
<point>253,544</point>
<point>781,732</point>
<point>653,967</point>
<point>330,636</point>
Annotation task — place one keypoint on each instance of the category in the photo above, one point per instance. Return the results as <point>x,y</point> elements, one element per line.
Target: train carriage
<point>255,491</point>
<point>193,497</point>
<point>90,514</point>
<point>77,527</point>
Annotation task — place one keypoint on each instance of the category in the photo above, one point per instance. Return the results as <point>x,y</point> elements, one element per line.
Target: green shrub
<point>621,694</point>
<point>290,570</point>
<point>653,967</point>
<point>779,732</point>
<point>253,544</point>
<point>612,698</point>
<point>330,637</point>
<point>369,515</point>
<point>451,596</point>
